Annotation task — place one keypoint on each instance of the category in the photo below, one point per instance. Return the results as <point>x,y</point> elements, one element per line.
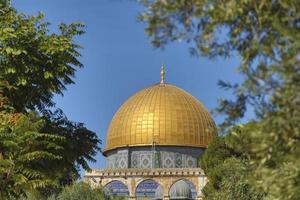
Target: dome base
<point>154,157</point>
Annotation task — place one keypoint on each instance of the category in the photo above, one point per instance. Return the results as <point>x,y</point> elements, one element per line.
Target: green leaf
<point>48,75</point>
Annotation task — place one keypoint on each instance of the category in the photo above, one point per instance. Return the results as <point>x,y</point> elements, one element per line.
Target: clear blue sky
<point>119,60</point>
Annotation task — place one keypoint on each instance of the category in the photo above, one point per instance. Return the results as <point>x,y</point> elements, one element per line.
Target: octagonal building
<point>153,145</point>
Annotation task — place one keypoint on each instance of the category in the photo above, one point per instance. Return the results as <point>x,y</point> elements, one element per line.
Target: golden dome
<point>163,114</point>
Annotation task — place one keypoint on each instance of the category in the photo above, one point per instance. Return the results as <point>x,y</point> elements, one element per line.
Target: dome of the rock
<point>163,119</point>
<point>153,145</point>
<point>164,114</point>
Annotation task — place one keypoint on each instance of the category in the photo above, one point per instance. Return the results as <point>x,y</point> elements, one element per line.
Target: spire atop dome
<point>162,74</point>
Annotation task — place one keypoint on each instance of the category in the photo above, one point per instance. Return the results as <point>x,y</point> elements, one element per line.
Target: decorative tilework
<point>134,160</point>
<point>170,157</point>
<point>168,160</point>
<point>178,160</point>
<point>146,160</point>
<point>191,162</point>
<point>118,160</point>
<point>122,164</point>
<point>157,161</point>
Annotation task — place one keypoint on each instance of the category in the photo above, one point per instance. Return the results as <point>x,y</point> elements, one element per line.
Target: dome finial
<point>162,74</point>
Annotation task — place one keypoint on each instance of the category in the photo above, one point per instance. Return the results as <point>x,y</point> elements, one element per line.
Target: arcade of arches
<point>148,183</point>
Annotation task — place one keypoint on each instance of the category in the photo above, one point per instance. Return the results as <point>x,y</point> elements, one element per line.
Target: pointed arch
<point>182,189</point>
<point>117,188</point>
<point>149,188</point>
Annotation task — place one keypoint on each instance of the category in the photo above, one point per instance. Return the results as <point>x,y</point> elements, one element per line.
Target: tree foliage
<point>78,191</point>
<point>265,35</point>
<point>227,163</point>
<point>81,191</point>
<point>25,154</point>
<point>35,64</point>
<point>42,150</point>
<point>80,144</point>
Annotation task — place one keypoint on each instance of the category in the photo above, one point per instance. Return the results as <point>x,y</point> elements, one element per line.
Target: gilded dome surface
<point>162,114</point>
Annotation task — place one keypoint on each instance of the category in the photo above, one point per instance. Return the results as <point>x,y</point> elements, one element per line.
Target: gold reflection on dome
<point>162,114</point>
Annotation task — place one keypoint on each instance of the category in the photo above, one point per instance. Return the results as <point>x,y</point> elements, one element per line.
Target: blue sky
<point>119,60</point>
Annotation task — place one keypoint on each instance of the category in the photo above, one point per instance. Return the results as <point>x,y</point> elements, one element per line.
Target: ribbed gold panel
<point>164,114</point>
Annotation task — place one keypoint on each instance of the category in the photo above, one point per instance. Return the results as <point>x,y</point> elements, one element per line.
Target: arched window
<point>117,188</point>
<point>149,189</point>
<point>183,190</point>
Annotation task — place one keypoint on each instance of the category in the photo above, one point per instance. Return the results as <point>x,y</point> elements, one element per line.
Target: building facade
<point>153,145</point>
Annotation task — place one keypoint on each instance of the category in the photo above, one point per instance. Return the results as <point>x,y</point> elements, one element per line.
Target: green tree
<point>78,191</point>
<point>36,64</point>
<point>80,145</point>
<point>25,153</point>
<point>81,191</point>
<point>266,37</point>
<point>227,164</point>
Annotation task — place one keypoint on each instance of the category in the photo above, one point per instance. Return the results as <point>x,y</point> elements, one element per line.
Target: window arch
<point>149,189</point>
<point>117,188</point>
<point>182,189</point>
